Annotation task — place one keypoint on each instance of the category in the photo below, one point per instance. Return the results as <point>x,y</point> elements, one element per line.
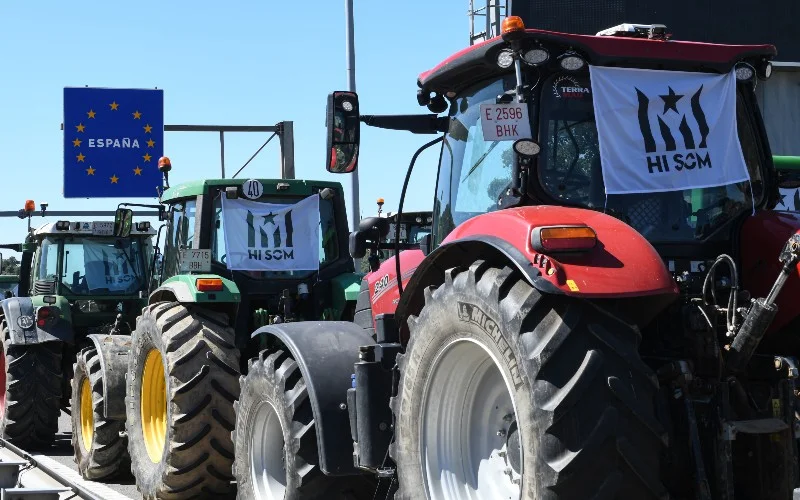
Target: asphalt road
<point>62,453</point>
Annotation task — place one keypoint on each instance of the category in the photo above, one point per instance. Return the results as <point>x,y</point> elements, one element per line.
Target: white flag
<point>666,130</point>
<point>107,267</point>
<point>271,237</point>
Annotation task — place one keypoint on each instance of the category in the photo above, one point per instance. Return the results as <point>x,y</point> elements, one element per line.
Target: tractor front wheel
<point>506,393</point>
<point>30,392</point>
<point>100,451</point>
<point>276,438</point>
<point>182,382</point>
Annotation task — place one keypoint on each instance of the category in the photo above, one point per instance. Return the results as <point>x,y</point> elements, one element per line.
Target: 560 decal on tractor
<point>606,306</point>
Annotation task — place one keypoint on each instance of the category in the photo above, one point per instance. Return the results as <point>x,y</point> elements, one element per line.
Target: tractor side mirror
<point>123,222</point>
<point>371,231</point>
<point>342,121</point>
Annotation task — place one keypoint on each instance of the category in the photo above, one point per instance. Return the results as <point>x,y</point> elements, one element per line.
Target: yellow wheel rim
<point>87,415</point>
<point>154,406</point>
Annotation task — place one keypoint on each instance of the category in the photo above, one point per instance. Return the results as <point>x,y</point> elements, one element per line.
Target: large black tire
<point>584,400</point>
<point>202,381</point>
<point>30,405</point>
<point>274,381</point>
<point>107,454</point>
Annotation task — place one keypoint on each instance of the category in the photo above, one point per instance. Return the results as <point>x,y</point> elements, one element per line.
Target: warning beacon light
<point>164,165</point>
<point>30,206</point>
<point>511,24</point>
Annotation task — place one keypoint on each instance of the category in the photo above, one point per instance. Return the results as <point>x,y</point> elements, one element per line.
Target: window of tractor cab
<point>103,266</point>
<point>180,234</point>
<point>47,261</point>
<point>473,172</point>
<point>328,243</point>
<point>569,171</point>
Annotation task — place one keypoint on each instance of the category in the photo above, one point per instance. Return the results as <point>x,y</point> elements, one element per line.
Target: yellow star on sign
<point>147,157</point>
<point>137,171</point>
<point>136,115</point>
<point>114,179</point>
<point>90,171</point>
<point>148,128</point>
<point>80,157</point>
<point>80,127</point>
<point>151,143</point>
<point>91,113</point>
<point>114,106</point>
<point>76,142</point>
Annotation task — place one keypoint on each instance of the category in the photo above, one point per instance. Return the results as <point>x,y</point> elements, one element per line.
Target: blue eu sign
<point>113,139</point>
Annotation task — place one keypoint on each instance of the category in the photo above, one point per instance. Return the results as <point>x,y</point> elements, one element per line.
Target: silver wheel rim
<point>267,468</point>
<point>467,411</point>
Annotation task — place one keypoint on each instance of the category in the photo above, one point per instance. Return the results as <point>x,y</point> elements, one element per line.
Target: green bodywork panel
<point>296,187</point>
<point>9,278</point>
<point>786,162</point>
<point>185,289</point>
<point>345,289</point>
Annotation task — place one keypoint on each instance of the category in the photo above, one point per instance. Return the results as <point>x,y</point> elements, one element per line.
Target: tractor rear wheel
<point>100,451</point>
<point>507,393</point>
<point>183,378</point>
<point>30,381</point>
<point>276,438</point>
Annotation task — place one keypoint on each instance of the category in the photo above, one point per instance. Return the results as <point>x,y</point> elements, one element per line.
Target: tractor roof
<point>480,61</point>
<point>277,187</point>
<point>84,229</point>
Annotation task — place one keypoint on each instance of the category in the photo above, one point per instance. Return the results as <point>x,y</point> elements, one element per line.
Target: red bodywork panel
<point>763,238</point>
<point>478,61</point>
<point>623,264</point>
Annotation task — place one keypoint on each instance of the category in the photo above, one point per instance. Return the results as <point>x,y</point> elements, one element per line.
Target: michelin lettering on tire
<point>470,313</point>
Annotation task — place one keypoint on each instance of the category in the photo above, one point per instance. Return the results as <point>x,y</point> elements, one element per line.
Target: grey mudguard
<point>326,351</point>
<point>21,319</point>
<point>114,351</point>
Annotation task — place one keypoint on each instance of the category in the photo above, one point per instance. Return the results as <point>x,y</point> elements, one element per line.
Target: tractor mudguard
<point>113,351</point>
<point>326,352</point>
<point>623,264</point>
<point>183,288</point>
<point>20,314</point>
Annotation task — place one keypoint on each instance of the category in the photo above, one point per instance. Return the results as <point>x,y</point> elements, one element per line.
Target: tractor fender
<point>623,264</point>
<point>20,314</point>
<point>325,351</point>
<point>113,351</point>
<point>183,288</point>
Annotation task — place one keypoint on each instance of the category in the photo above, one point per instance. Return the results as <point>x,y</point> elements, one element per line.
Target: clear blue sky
<point>232,63</point>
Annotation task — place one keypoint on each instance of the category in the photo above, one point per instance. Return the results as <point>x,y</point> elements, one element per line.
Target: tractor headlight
<point>505,59</point>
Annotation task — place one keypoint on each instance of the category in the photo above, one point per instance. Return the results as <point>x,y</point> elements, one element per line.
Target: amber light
<point>209,285</point>
<point>564,239</point>
<point>164,165</point>
<point>511,24</point>
<point>30,206</point>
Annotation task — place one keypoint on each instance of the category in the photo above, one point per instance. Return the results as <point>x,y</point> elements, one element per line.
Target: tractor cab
<point>84,266</point>
<point>263,251</point>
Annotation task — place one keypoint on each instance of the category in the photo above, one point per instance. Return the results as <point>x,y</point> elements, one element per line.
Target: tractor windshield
<point>475,172</point>
<point>94,266</point>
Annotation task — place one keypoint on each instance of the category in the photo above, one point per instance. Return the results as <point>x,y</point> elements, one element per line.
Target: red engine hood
<point>763,238</point>
<point>623,264</point>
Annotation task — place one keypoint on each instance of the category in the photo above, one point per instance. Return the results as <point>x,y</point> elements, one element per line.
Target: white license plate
<point>103,228</point>
<point>505,122</point>
<point>195,261</point>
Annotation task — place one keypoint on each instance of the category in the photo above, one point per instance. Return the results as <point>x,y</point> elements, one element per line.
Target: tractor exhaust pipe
<point>761,312</point>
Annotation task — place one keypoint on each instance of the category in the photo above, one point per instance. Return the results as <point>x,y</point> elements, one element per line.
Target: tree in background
<point>10,266</point>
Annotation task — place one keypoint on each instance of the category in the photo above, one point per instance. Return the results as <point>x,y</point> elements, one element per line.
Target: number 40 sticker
<point>505,122</point>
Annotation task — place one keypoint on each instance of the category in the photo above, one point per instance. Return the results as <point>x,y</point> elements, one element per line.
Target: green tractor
<point>79,285</point>
<point>238,256</point>
<point>9,285</point>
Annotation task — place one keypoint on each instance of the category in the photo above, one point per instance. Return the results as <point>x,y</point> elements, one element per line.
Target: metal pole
<point>355,215</point>
<point>287,151</point>
<point>222,151</point>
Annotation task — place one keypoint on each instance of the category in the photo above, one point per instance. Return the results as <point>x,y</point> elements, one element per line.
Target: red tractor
<point>606,306</point>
